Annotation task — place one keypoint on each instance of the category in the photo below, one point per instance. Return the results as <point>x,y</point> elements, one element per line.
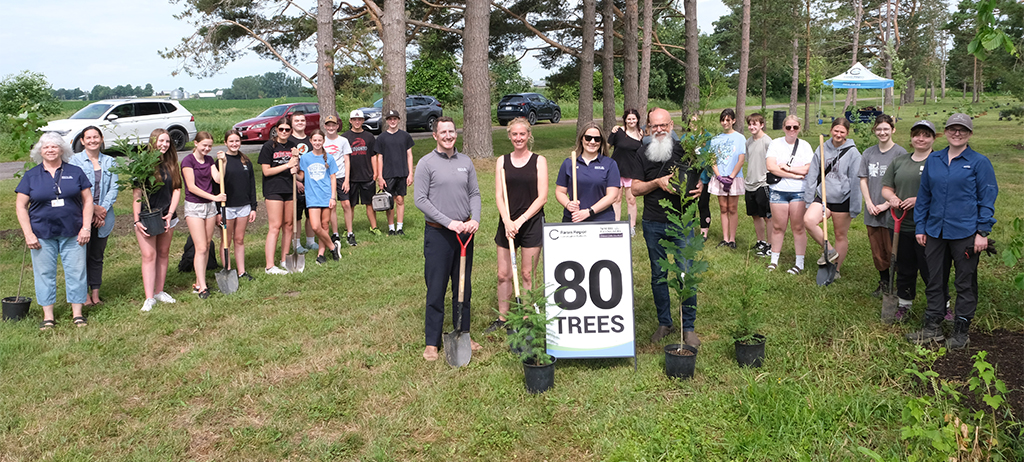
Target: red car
<point>258,128</point>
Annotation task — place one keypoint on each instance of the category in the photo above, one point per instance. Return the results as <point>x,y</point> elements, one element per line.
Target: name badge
<point>57,203</point>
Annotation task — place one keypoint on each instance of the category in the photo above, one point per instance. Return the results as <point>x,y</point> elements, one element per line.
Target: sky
<point>83,43</point>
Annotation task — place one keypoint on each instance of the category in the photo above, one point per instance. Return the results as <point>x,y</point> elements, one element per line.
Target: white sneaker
<point>164,297</point>
<point>276,270</point>
<point>148,305</point>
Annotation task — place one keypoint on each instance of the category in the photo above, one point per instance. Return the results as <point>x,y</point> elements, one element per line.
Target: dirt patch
<point>1004,349</point>
<point>1019,146</point>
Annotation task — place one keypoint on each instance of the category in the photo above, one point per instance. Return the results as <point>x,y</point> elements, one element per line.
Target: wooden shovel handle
<point>511,241</point>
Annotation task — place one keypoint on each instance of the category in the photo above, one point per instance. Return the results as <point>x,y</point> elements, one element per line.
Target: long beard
<point>660,149</point>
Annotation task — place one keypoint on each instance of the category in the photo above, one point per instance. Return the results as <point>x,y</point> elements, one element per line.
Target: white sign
<point>588,272</point>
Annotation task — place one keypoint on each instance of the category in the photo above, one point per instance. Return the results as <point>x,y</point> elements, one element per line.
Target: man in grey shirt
<point>756,186</point>
<point>446,191</point>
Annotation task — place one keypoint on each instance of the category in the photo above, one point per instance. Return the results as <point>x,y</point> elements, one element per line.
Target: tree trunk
<point>976,76</point>
<point>807,74</point>
<point>932,83</point>
<point>645,62</point>
<point>691,95</point>
<point>886,57</point>
<point>476,82</point>
<point>325,92</point>
<point>942,67</point>
<point>630,58</point>
<point>909,92</point>
<point>393,37</point>
<point>858,14</point>
<point>741,79</point>
<point>608,67</point>
<point>794,88</point>
<point>764,83</point>
<point>586,102</point>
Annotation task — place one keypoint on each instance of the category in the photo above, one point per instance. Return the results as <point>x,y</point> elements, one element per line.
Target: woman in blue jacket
<point>96,166</point>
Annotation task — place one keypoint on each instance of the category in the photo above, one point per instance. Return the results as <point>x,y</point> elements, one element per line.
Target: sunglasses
<point>792,127</point>
<point>593,139</point>
<point>284,129</point>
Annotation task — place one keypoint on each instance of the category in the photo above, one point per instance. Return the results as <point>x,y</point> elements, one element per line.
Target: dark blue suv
<point>530,105</point>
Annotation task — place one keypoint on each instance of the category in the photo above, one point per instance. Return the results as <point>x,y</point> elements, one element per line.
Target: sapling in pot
<point>527,335</point>
<point>138,170</point>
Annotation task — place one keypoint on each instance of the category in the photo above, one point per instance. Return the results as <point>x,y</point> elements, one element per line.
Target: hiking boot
<point>883,288</point>
<point>690,338</point>
<point>660,333</point>
<point>959,339</point>
<point>930,332</point>
<point>495,325</point>
<point>351,240</point>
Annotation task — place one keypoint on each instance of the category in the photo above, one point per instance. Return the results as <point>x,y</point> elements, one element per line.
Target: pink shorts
<point>626,182</point>
<point>716,189</point>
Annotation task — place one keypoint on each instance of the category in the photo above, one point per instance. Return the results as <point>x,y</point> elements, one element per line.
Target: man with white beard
<point>659,160</point>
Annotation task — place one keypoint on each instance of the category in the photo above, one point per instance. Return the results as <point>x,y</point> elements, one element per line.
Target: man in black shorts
<point>755,183</point>
<point>364,168</point>
<point>394,146</point>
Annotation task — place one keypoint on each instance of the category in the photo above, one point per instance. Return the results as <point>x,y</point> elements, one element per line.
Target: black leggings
<point>704,207</point>
<point>94,259</point>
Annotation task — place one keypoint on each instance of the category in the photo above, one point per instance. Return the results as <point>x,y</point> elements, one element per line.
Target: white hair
<point>54,139</point>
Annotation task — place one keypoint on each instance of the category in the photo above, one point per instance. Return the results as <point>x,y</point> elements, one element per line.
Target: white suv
<point>133,119</point>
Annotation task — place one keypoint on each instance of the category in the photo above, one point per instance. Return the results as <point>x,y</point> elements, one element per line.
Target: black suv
<point>530,105</point>
<point>421,111</point>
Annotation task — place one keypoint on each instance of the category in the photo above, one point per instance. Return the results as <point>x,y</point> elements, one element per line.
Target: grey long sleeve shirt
<point>446,189</point>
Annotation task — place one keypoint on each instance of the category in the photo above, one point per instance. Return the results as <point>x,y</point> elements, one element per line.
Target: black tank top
<point>521,183</point>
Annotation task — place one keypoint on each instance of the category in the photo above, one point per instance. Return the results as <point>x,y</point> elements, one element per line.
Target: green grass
<point>325,365</point>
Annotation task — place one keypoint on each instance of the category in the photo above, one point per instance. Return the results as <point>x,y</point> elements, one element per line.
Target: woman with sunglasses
<point>873,164</point>
<point>279,160</point>
<point>788,158</point>
<point>597,180</point>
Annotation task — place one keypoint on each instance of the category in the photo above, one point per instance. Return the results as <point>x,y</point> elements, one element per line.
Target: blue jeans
<point>44,264</point>
<point>653,232</point>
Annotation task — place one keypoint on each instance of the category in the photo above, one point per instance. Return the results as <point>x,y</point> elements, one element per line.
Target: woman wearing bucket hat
<point>954,214</point>
<point>54,207</point>
<point>899,187</point>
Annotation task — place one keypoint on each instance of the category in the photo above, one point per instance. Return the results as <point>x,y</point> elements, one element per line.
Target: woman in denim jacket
<point>96,166</point>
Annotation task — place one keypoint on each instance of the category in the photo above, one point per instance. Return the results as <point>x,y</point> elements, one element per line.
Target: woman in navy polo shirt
<point>597,180</point>
<point>54,207</point>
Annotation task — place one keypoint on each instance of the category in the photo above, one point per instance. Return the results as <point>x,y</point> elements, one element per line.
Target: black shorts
<point>757,203</point>
<point>530,235</point>
<point>396,186</point>
<point>278,197</point>
<point>342,195</point>
<point>836,207</point>
<point>300,202</point>
<point>361,192</point>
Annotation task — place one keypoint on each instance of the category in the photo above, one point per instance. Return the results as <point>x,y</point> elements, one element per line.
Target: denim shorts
<point>785,197</point>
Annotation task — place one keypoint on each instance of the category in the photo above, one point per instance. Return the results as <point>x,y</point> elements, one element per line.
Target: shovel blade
<point>457,349</point>
<point>890,303</point>
<point>826,274</point>
<point>227,281</point>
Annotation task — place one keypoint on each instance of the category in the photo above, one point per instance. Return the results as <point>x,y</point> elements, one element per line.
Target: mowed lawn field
<point>326,365</point>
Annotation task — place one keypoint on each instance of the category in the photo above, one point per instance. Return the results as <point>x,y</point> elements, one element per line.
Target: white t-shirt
<point>781,151</point>
<point>339,148</point>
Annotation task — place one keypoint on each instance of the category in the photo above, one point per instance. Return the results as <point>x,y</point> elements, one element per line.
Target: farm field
<point>326,365</point>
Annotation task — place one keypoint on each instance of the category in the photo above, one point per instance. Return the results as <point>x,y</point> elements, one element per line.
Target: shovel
<point>457,348</point>
<point>227,278</point>
<point>890,302</point>
<point>295,262</point>
<point>826,272</point>
<point>512,241</point>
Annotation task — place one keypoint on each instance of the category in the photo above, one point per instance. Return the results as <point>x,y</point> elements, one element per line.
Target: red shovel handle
<point>899,219</point>
<point>463,244</point>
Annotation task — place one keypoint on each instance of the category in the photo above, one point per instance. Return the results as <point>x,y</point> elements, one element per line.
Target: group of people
<point>944,201</point>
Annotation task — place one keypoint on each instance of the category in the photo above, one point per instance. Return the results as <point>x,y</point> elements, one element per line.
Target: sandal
<point>772,266</point>
<point>47,324</point>
<point>79,321</point>
<point>795,270</point>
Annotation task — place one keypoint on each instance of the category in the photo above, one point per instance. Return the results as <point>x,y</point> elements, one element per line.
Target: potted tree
<point>138,171</point>
<point>527,327</point>
<point>749,343</point>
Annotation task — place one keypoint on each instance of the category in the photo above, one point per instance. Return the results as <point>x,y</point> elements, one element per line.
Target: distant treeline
<point>269,85</point>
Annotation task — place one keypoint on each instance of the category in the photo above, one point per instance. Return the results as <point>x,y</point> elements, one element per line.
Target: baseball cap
<point>960,119</point>
<point>924,123</point>
<point>392,113</point>
<point>330,119</point>
<point>356,114</point>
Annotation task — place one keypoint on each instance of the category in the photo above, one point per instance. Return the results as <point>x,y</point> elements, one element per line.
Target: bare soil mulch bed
<point>1005,351</point>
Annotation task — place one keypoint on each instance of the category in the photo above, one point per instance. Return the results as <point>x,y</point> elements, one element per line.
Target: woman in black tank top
<point>526,180</point>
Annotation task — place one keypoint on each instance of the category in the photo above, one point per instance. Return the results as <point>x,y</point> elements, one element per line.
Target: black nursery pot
<point>751,354</point>
<point>677,365</point>
<point>539,378</point>
<point>15,308</point>
<point>153,222</point>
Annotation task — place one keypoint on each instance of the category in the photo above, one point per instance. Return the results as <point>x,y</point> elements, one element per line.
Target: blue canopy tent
<point>857,77</point>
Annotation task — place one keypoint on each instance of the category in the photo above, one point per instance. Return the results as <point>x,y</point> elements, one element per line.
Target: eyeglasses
<point>958,131</point>
<point>792,127</point>
<point>593,139</point>
<point>658,127</point>
<point>284,129</point>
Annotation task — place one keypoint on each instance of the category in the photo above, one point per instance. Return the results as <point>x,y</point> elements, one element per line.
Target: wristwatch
<point>983,233</point>
<point>591,209</point>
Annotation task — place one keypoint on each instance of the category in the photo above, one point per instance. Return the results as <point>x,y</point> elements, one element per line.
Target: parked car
<point>421,111</point>
<point>258,128</point>
<point>533,106</point>
<point>131,119</point>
